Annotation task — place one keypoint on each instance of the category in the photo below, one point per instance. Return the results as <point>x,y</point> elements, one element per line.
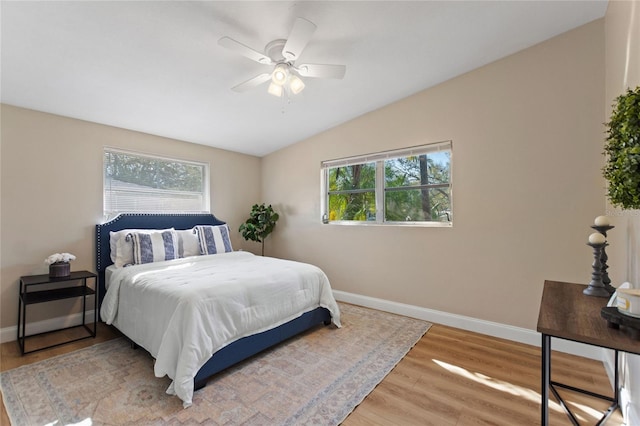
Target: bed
<point>192,332</point>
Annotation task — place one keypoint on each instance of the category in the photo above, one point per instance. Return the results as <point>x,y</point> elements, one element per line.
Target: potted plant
<point>260,224</point>
<point>59,264</point>
<point>622,147</point>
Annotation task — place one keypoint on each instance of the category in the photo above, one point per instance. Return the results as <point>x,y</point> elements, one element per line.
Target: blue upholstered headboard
<point>140,221</point>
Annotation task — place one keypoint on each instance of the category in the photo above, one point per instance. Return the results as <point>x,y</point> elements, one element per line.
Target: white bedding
<point>184,310</point>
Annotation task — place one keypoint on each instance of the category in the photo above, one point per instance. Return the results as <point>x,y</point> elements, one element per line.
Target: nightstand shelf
<point>55,294</point>
<point>74,285</point>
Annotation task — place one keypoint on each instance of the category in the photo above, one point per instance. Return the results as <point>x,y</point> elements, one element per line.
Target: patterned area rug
<point>316,378</point>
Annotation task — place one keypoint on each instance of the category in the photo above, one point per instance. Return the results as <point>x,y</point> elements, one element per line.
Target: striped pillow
<point>154,246</point>
<point>214,239</point>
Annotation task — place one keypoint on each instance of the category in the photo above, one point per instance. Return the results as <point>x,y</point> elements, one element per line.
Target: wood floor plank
<point>451,377</point>
<point>497,381</point>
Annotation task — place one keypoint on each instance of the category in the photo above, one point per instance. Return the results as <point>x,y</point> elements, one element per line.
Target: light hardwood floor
<point>451,377</point>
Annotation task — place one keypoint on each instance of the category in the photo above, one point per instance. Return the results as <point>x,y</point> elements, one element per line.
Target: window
<point>406,186</point>
<point>141,183</point>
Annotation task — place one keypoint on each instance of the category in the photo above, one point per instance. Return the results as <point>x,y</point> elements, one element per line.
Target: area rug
<point>316,378</point>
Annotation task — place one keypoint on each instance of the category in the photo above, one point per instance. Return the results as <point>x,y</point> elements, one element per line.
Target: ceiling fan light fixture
<point>280,75</point>
<point>285,78</point>
<point>275,89</point>
<point>295,84</point>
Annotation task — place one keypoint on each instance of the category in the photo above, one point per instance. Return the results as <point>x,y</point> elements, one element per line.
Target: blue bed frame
<point>233,353</point>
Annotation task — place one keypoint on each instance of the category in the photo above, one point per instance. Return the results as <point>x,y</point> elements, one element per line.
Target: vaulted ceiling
<point>156,67</point>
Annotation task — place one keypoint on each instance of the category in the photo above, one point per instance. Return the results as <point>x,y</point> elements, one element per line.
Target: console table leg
<point>546,378</point>
<point>616,380</point>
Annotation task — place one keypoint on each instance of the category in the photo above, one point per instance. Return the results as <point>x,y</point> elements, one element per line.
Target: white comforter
<point>184,310</point>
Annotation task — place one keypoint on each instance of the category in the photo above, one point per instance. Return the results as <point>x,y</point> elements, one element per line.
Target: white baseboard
<point>630,408</point>
<point>490,328</point>
<point>8,334</point>
<point>503,331</point>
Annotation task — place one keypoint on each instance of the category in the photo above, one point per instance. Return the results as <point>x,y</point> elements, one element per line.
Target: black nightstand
<point>31,293</point>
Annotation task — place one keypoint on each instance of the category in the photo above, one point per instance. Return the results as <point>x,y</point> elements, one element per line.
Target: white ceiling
<point>156,67</point>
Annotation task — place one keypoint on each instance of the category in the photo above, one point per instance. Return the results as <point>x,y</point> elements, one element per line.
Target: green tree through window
<point>153,172</point>
<point>409,185</point>
<point>352,192</point>
<point>417,188</point>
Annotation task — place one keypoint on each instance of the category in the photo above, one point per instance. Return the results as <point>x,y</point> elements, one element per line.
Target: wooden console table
<point>567,313</point>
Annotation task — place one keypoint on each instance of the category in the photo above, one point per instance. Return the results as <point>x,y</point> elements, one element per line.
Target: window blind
<point>142,183</point>
<point>385,155</point>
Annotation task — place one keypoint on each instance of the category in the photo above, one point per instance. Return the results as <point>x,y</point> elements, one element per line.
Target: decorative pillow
<point>214,239</point>
<point>188,243</point>
<point>122,250</point>
<point>154,246</point>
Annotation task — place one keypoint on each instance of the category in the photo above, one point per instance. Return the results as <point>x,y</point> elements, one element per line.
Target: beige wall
<point>622,41</point>
<point>51,175</point>
<point>527,133</point>
<point>527,143</point>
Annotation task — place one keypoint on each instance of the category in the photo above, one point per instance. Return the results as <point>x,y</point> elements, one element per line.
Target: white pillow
<point>188,243</point>
<point>154,246</point>
<point>121,249</point>
<point>121,254</point>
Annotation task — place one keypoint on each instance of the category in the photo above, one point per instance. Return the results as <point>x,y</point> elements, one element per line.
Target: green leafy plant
<point>622,147</point>
<point>260,224</point>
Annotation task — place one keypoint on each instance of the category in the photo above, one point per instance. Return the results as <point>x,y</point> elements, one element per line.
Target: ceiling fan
<point>282,54</point>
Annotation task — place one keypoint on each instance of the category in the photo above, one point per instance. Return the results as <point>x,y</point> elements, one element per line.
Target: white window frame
<point>110,212</point>
<point>379,158</point>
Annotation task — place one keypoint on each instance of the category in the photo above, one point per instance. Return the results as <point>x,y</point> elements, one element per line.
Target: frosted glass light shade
<point>296,84</point>
<point>280,75</point>
<point>275,89</point>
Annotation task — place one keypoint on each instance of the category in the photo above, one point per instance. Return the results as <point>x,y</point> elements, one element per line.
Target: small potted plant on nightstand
<point>59,265</point>
<point>260,224</point>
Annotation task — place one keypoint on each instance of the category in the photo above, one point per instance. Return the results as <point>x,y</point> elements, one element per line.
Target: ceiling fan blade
<point>246,51</point>
<point>251,83</point>
<point>298,39</point>
<point>322,70</point>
